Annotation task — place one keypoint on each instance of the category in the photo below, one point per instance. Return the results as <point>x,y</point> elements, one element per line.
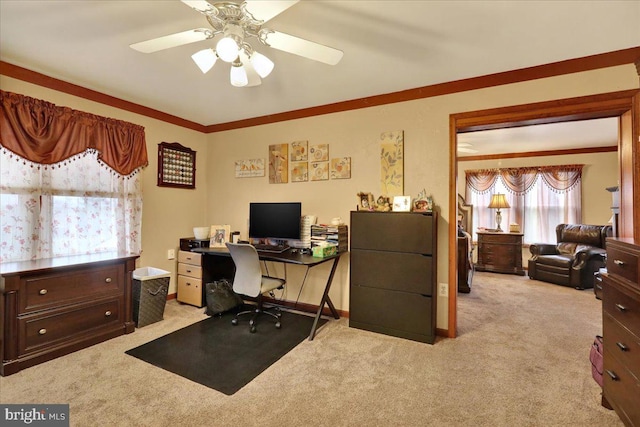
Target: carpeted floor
<point>521,359</point>
<point>218,355</point>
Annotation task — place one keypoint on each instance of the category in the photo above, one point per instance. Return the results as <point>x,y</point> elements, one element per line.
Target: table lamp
<point>498,201</point>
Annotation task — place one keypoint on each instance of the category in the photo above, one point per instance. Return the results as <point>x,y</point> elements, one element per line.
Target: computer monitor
<point>278,220</point>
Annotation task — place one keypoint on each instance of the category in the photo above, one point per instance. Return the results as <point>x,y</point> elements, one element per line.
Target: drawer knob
<point>618,262</point>
<point>188,271</point>
<point>107,313</point>
<point>43,292</point>
<point>108,280</point>
<point>622,347</point>
<point>42,331</point>
<point>621,307</point>
<point>613,375</point>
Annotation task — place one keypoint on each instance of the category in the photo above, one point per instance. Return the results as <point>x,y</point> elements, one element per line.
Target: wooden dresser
<point>52,307</point>
<point>393,273</point>
<point>500,252</point>
<point>621,329</point>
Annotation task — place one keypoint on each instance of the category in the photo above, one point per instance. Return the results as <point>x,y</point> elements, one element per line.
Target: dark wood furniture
<point>621,330</point>
<point>52,307</point>
<point>465,246</point>
<point>500,252</point>
<point>393,273</point>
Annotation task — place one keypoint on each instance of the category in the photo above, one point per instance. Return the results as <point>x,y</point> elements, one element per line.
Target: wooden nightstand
<point>500,252</point>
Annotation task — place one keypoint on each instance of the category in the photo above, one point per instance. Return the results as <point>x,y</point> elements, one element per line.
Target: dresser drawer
<point>190,270</point>
<point>504,239</point>
<point>622,344</point>
<point>622,303</point>
<point>190,291</point>
<point>394,313</point>
<point>392,270</point>
<point>623,263</point>
<point>190,258</point>
<point>46,329</point>
<point>621,389</point>
<point>393,231</point>
<point>65,287</point>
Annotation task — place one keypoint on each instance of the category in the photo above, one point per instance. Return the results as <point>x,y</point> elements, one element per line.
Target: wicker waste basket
<point>150,287</point>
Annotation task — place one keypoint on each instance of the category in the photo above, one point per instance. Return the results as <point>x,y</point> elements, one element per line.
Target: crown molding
<point>587,63</point>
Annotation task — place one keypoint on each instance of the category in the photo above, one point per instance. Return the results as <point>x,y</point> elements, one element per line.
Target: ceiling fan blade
<point>466,150</point>
<point>201,6</point>
<point>265,10</point>
<point>172,40</point>
<point>301,47</point>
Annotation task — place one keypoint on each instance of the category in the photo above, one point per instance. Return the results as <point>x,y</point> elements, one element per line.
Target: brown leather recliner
<point>579,253</point>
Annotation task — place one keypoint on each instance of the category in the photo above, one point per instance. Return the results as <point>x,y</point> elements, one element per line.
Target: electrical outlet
<point>171,254</point>
<point>443,289</point>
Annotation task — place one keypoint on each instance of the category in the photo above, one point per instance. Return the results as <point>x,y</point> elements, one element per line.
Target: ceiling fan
<point>238,23</point>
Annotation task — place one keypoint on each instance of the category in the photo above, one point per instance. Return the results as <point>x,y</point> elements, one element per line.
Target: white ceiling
<point>555,136</point>
<point>388,46</point>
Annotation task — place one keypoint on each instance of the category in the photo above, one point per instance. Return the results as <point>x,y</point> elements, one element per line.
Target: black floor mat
<point>224,357</point>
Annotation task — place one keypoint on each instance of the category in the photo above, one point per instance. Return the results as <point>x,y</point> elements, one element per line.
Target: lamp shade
<point>205,59</point>
<point>499,201</point>
<point>261,64</point>
<point>238,75</point>
<point>227,49</point>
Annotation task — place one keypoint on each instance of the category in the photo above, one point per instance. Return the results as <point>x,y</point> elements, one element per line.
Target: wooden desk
<point>214,255</point>
<point>500,252</point>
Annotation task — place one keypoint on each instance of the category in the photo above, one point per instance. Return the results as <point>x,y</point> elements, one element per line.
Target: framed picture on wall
<point>176,166</point>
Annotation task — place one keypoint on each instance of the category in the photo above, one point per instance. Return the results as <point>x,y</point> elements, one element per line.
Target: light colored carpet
<point>521,359</point>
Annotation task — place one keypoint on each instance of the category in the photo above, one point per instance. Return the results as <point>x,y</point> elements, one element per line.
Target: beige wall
<point>221,198</point>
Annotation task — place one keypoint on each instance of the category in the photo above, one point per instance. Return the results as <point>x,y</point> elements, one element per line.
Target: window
<point>540,198</point>
<point>77,207</point>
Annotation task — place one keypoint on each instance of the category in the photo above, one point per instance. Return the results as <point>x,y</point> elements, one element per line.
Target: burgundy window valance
<point>519,181</point>
<point>45,133</point>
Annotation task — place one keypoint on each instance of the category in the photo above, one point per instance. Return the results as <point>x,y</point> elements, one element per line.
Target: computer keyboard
<point>263,247</point>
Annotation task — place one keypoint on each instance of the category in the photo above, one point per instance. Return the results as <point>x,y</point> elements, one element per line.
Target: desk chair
<point>249,281</point>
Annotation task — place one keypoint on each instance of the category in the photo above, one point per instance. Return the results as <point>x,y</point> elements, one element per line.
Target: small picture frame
<point>401,203</point>
<point>365,202</point>
<point>220,235</point>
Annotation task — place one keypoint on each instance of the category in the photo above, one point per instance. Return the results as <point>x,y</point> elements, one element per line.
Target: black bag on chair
<point>220,297</point>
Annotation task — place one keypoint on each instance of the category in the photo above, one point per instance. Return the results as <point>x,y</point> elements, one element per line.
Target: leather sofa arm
<point>542,249</point>
<point>583,256</point>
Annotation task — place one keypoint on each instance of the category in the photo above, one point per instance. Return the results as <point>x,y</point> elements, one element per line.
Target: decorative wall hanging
<point>249,168</point>
<point>176,166</point>
<point>319,171</point>
<point>341,168</point>
<point>319,153</point>
<point>219,236</point>
<point>299,151</point>
<point>299,172</point>
<point>278,164</point>
<point>392,163</point>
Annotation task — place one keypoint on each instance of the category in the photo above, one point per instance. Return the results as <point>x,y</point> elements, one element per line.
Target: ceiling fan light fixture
<point>261,64</point>
<point>205,59</point>
<point>227,49</point>
<point>238,75</point>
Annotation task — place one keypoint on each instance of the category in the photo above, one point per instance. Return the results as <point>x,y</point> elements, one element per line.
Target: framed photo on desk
<point>220,235</point>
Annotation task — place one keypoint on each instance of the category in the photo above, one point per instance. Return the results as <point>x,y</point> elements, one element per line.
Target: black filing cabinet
<point>393,273</point>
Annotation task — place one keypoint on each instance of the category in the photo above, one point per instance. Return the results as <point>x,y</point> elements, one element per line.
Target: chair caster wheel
<point>234,322</point>
<point>252,330</point>
<point>278,325</point>
<point>279,315</point>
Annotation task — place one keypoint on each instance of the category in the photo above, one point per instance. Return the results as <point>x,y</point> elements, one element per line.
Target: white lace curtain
<point>71,208</point>
<point>540,198</point>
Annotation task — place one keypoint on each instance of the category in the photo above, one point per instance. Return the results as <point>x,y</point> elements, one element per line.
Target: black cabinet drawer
<point>395,313</point>
<point>393,231</point>
<point>392,270</point>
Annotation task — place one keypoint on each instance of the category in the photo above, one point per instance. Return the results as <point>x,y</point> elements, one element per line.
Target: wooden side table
<point>500,252</point>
